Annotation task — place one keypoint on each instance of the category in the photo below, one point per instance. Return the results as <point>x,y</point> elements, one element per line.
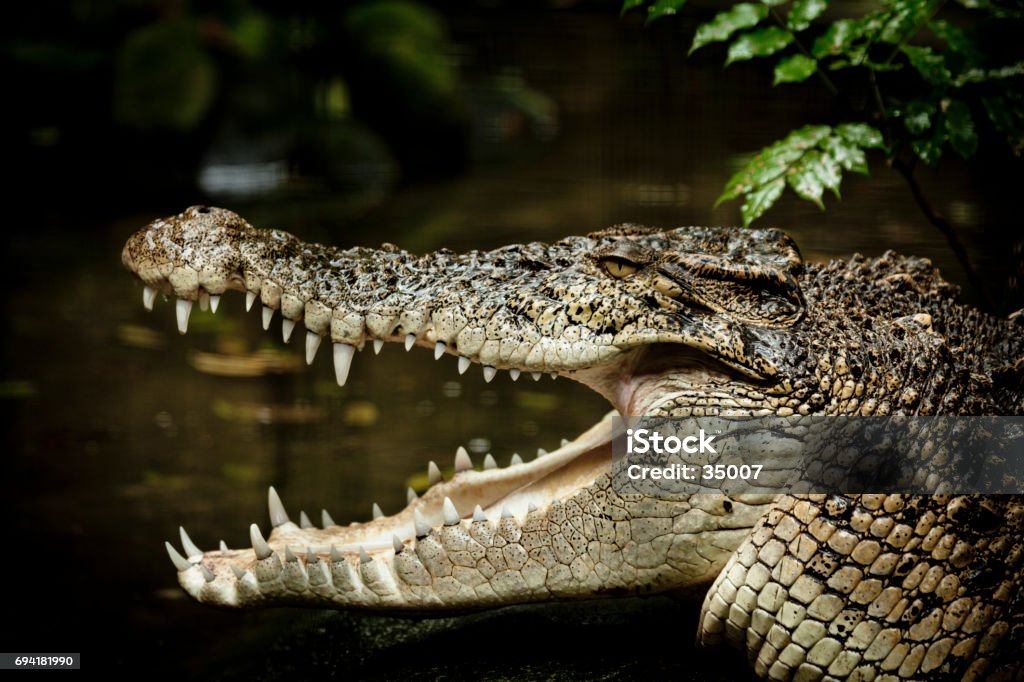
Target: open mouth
<point>359,564</point>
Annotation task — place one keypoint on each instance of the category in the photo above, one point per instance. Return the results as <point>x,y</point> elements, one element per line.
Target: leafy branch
<point>903,46</point>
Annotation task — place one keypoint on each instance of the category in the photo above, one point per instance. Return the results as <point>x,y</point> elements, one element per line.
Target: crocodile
<point>679,322</point>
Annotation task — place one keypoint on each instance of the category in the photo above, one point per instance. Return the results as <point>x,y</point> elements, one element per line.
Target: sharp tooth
<point>396,543</point>
<point>310,557</point>
<point>462,460</point>
<point>304,521</point>
<point>326,519</point>
<point>186,542</point>
<point>183,308</point>
<point>410,341</point>
<point>377,345</point>
<point>288,556</point>
<point>516,459</point>
<point>207,574</point>
<point>287,326</point>
<point>377,513</point>
<point>148,296</point>
<point>535,375</point>
<point>278,516</point>
<point>214,303</point>
<point>259,545</point>
<point>515,374</point>
<point>554,375</point>
<point>565,441</point>
<point>422,527</point>
<point>433,474</point>
<point>410,496</point>
<point>464,364</point>
<point>250,298</point>
<point>489,373</point>
<point>364,558</point>
<point>312,346</point>
<point>478,514</point>
<point>531,507</point>
<point>541,452</point>
<point>506,513</point>
<point>439,350</point>
<point>342,361</point>
<point>336,555</point>
<point>179,561</point>
<point>451,514</point>
<point>268,314</point>
<point>239,572</point>
<point>224,546</point>
<point>489,462</point>
<point>204,301</point>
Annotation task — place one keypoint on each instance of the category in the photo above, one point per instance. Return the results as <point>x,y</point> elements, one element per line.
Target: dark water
<point>115,436</point>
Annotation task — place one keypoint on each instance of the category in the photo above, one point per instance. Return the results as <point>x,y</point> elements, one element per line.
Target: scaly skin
<point>693,321</point>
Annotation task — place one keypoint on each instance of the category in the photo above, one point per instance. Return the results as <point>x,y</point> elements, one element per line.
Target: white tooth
<point>239,572</point>
<point>516,459</point>
<point>515,374</point>
<point>377,345</point>
<point>287,326</point>
<point>489,462</point>
<point>224,546</point>
<point>410,341</point>
<point>541,452</point>
<point>535,375</point>
<point>204,301</point>
<point>278,516</point>
<point>304,521</point>
<point>342,361</point>
<point>250,298</point>
<point>554,375</point>
<point>439,350</point>
<point>433,474</point>
<point>531,507</point>
<point>462,460</point>
<point>451,514</point>
<point>268,314</point>
<point>377,513</point>
<point>259,545</point>
<point>288,556</point>
<point>208,575</point>
<point>179,561</point>
<point>464,364</point>
<point>396,543</point>
<point>336,555</point>
<point>310,557</point>
<point>312,346</point>
<point>489,373</point>
<point>183,308</point>
<point>565,441</point>
<point>478,514</point>
<point>148,296</point>
<point>506,513</point>
<point>326,519</point>
<point>410,496</point>
<point>422,527</point>
<point>186,542</point>
<point>214,303</point>
<point>364,558</point>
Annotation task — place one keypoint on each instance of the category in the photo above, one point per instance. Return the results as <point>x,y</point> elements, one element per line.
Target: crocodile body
<point>685,322</point>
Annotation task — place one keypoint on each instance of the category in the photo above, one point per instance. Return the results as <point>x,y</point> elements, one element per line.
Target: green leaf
<point>630,4</point>
<point>827,170</point>
<point>759,43</point>
<point>983,75</point>
<point>761,200</point>
<point>931,66</point>
<point>794,68</point>
<point>957,40</point>
<point>917,117</point>
<point>742,16</point>
<point>664,8</point>
<point>773,3</point>
<point>862,135</point>
<point>960,127</point>
<point>848,155</point>
<point>805,181</point>
<point>836,39</point>
<point>803,12</point>
<point>1007,120</point>
<point>929,149</point>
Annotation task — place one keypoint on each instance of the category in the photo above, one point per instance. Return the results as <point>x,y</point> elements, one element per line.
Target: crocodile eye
<point>619,268</point>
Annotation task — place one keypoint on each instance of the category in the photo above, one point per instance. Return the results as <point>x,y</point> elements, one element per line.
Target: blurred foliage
<point>918,78</point>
